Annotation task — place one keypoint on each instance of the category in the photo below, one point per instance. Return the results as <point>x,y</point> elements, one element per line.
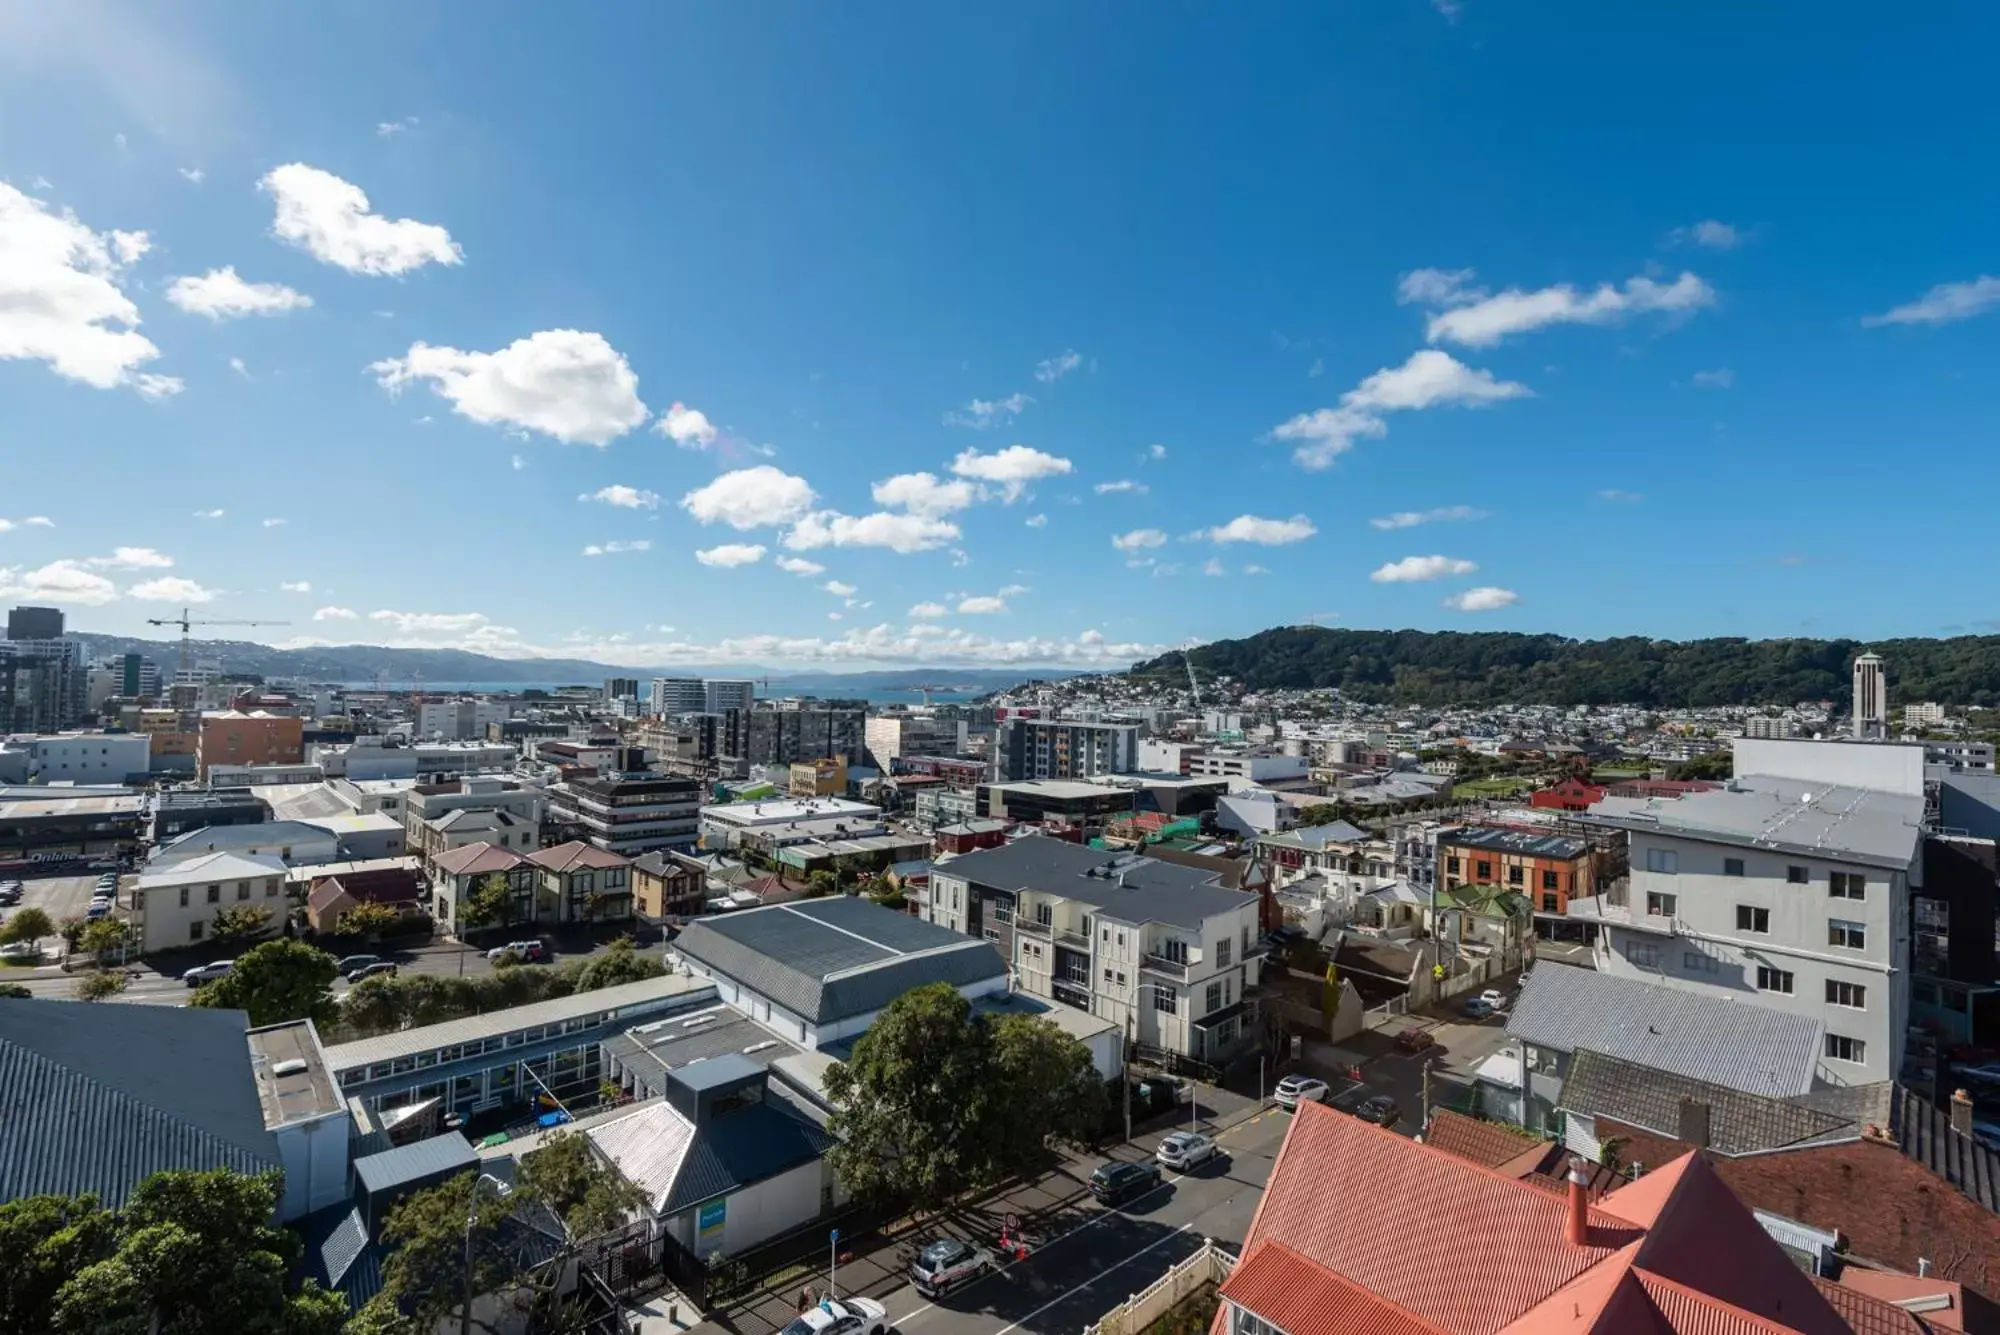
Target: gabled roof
<point>213,867</point>
<point>1488,1144</point>
<point>1121,886</point>
<point>576,855</point>
<point>1738,1123</point>
<point>477,860</point>
<point>385,885</point>
<point>679,1165</point>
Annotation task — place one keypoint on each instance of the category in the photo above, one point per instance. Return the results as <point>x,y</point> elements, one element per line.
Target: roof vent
<point>290,1066</point>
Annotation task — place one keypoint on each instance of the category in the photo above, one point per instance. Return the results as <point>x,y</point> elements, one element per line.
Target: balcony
<point>1073,940</point>
<point>1032,926</point>
<point>1160,964</point>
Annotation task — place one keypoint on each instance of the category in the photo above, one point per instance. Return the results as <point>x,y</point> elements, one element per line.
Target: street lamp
<point>471,1214</point>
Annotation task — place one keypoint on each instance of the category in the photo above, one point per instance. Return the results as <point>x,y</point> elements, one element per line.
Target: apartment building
<point>463,720</point>
<point>1253,766</point>
<point>721,694</point>
<point>630,814</point>
<point>676,695</point>
<point>818,778</point>
<point>1162,950</point>
<point>233,737</point>
<point>75,758</point>
<point>890,737</point>
<point>1550,869</point>
<point>1028,748</point>
<point>174,903</point>
<point>784,736</point>
<point>1791,885</point>
<point>426,806</point>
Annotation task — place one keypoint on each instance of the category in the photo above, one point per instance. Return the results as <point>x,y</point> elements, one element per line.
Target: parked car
<point>1495,998</point>
<point>352,963</point>
<point>1381,1110</point>
<point>1186,1149</point>
<point>1478,1008</point>
<point>206,973</point>
<point>379,969</point>
<point>1116,1182</point>
<point>528,952</point>
<point>1415,1040</point>
<point>99,908</point>
<point>1296,1089</point>
<point>841,1316</point>
<point>947,1264</point>
<point>20,950</point>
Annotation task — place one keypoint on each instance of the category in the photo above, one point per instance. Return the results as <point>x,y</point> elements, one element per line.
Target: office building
<point>890,737</point>
<point>42,684</point>
<point>1871,697</point>
<point>1928,714</point>
<point>77,758</point>
<point>677,695</point>
<point>232,737</point>
<point>768,736</point>
<point>465,720</point>
<point>34,623</point>
<point>621,688</point>
<point>1046,749</point>
<point>630,814</point>
<point>720,695</point>
<point>1768,727</point>
<point>138,677</point>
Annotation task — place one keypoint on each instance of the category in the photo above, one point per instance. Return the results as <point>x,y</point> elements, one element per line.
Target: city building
<point>891,737</point>
<point>581,883</point>
<point>621,688</point>
<point>1871,698</point>
<point>1770,727</point>
<point>178,811</point>
<point>630,814</point>
<point>293,842</point>
<point>174,903</point>
<point>786,820</point>
<point>42,685</point>
<point>1163,951</point>
<point>431,761</point>
<point>75,822</point>
<point>774,736</point>
<point>232,737</point>
<point>399,889</point>
<point>1927,714</point>
<point>1051,749</point>
<point>934,807</point>
<point>668,885</point>
<point>457,873</point>
<point>263,776</point>
<point>677,695</point>
<point>1550,869</point>
<point>1055,801</point>
<point>720,695</point>
<point>34,623</point>
<point>819,778</point>
<point>1960,757</point>
<point>1254,766</point>
<point>75,758</point>
<point>464,720</point>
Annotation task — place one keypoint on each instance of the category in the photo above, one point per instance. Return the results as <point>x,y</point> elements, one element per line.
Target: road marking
<point>1158,1242</point>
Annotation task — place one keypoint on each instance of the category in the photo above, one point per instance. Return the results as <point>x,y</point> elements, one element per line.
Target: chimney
<point>1577,1229</point>
<point>1961,1112</point>
<point>1694,1116</point>
<point>1923,1267</point>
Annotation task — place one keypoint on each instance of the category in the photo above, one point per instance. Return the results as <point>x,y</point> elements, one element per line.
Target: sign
<point>708,1226</point>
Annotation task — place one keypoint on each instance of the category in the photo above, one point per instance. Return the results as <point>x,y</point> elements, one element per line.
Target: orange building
<point>1547,868</point>
<point>231,737</point>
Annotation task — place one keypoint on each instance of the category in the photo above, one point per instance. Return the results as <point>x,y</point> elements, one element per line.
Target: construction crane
<point>1193,689</point>
<point>186,624</point>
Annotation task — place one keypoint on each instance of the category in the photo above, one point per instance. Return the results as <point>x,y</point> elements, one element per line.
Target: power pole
<point>1125,1074</point>
<point>1425,1124</point>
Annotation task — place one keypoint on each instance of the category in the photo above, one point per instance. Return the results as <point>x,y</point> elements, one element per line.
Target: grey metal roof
<point>1813,819</point>
<point>1120,886</point>
<point>1926,1135</point>
<point>339,1254</point>
<point>1523,842</point>
<point>745,1147</point>
<point>828,959</point>
<point>1739,1123</point>
<point>1737,1044</point>
<point>650,1051</point>
<point>420,1161</point>
<point>97,1098</point>
<point>1319,836</point>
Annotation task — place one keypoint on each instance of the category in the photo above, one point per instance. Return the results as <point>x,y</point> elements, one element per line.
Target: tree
<point>100,984</point>
<point>71,931</point>
<point>17,991</point>
<point>1047,1089</point>
<point>620,962</point>
<point>1714,765</point>
<point>369,920</point>
<point>275,982</point>
<point>491,903</point>
<point>28,925</point>
<point>566,1175</point>
<point>821,884</point>
<point>104,937</point>
<point>239,922</point>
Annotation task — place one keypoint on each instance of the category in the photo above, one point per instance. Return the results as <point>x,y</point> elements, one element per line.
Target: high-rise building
<point>621,688</point>
<point>35,623</point>
<point>722,694</point>
<point>139,677</point>
<point>784,736</point>
<point>1062,749</point>
<point>1871,697</point>
<point>42,684</point>
<point>892,736</point>
<point>677,695</point>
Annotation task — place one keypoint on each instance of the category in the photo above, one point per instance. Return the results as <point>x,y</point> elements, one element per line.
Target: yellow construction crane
<point>186,623</point>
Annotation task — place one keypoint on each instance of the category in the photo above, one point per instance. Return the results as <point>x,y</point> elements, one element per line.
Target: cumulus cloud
<point>62,300</point>
<point>1486,320</point>
<point>1123,484</point>
<point>1415,569</point>
<point>928,611</point>
<point>1011,469</point>
<point>1438,287</point>
<point>686,427</point>
<point>566,383</point>
<point>1429,379</point>
<point>1486,599</point>
<point>296,586</point>
<point>838,588</point>
<point>445,623</point>
<point>1719,378</point>
<point>981,414</point>
<point>731,554</point>
<point>1443,514</point>
<point>759,497</point>
<point>1051,369</point>
<point>1943,304</point>
<point>221,295</point>
<point>132,558</point>
<point>982,605</point>
<point>1156,451</point>
<point>902,533</point>
<point>618,548</point>
<point>1139,539</point>
<point>1036,521</point>
<point>57,582</point>
<point>172,589</point>
<point>335,614</point>
<point>1264,532</point>
<point>1709,234</point>
<point>924,494</point>
<point>332,221</point>
<point>624,497</point>
<point>798,565</point>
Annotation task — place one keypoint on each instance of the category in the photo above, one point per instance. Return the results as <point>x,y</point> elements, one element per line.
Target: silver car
<point>1296,1089</point>
<point>1186,1149</point>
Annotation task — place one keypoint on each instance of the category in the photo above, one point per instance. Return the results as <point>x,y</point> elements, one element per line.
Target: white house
<point>174,903</point>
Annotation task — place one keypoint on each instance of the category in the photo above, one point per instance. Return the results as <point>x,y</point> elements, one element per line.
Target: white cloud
<point>1036,521</point>
<point>924,494</point>
<point>1719,378</point>
<point>1011,469</point>
<point>1254,569</point>
<point>57,582</point>
<point>833,616</point>
<point>221,295</point>
<point>624,497</point>
<point>1415,569</point>
<point>1438,287</point>
<point>1443,514</point>
<point>903,533</point>
<point>567,383</point>
<point>929,611</point>
<point>980,414</point>
<point>387,129</point>
<point>1709,234</point>
<point>517,462</point>
<point>209,514</point>
<point>172,589</point>
<point>1212,566</point>
<point>1139,539</point>
<point>798,565</point>
<point>981,605</point>
<point>686,427</point>
<point>1429,379</point>
<point>731,554</point>
<point>1486,599</point>
<point>296,586</point>
<point>192,174</point>
<point>837,588</point>
<point>132,558</point>
<point>39,521</point>
<point>1482,323</point>
<point>274,523</point>
<point>331,220</point>
<point>236,365</point>
<point>759,497</point>
<point>1051,369</point>
<point>335,614</point>
<point>61,299</point>
<point>1265,532</point>
<point>1943,304</point>
<point>1156,451</point>
<point>1618,497</point>
<point>960,557</point>
<point>157,387</point>
<point>1014,590</point>
<point>1317,369</point>
<point>1123,484</point>
<point>618,548</point>
<point>446,623</point>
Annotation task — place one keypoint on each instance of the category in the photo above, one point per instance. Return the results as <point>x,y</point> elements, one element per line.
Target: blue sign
<point>708,1225</point>
<point>833,1236</point>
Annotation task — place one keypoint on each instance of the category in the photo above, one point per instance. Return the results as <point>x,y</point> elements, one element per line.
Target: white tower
<point>1871,698</point>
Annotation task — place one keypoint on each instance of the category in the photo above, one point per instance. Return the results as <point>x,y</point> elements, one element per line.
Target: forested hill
<point>1496,667</point>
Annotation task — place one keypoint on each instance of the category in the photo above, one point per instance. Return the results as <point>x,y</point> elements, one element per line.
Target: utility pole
<point>1125,1075</point>
<point>1428,1062</point>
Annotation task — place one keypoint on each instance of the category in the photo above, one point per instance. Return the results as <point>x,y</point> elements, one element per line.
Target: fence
<point>1207,1267</point>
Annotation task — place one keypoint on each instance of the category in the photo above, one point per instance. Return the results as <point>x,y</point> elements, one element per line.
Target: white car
<point>840,1316</point>
<point>1296,1089</point>
<point>21,950</point>
<point>946,1264</point>
<point>1495,998</point>
<point>1185,1149</point>
<point>206,973</point>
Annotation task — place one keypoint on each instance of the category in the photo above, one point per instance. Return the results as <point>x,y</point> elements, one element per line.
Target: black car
<point>1381,1110</point>
<point>1117,1182</point>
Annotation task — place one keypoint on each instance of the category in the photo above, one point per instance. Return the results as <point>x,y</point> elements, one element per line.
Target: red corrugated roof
<point>1290,1292</point>
<point>1486,1143</point>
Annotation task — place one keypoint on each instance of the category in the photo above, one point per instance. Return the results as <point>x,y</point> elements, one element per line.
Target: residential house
<point>426,803</point>
<point>400,889</point>
<point>174,903</point>
<point>459,872</point>
<point>465,826</point>
<point>668,885</point>
<point>1337,848</point>
<point>1491,918</point>
<point>582,883</point>
<point>969,836</point>
<point>1567,794</point>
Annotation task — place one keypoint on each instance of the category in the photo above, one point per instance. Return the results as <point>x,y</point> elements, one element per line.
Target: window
<point>1696,962</point>
<point>1166,999</point>
<point>1120,941</point>
<point>1246,942</point>
<point>1774,980</point>
<point>1643,954</point>
<point>1847,885</point>
<point>1797,875</point>
<point>1551,881</point>
<point>1214,999</point>
<point>1551,904</point>
<point>184,896</point>
<point>1852,995</point>
<point>215,894</point>
<point>1661,906</point>
<point>1045,912</point>
<point>1732,866</point>
<point>1485,872</point>
<point>1107,975</point>
<point>1753,920</point>
<point>1663,860</point>
<point>1222,953</point>
<point>195,930</point>
<point>1513,876</point>
<point>1841,1048</point>
<point>1847,935</point>
<point>243,889</point>
<point>1451,865</point>
<point>270,887</point>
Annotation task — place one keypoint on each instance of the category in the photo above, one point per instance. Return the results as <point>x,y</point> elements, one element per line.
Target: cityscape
<point>1065,668</point>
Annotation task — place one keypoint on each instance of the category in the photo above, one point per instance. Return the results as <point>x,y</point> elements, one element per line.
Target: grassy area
<point>1614,773</point>
<point>1501,785</point>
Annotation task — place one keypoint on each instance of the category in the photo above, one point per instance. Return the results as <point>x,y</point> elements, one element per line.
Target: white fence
<point>1210,1265</point>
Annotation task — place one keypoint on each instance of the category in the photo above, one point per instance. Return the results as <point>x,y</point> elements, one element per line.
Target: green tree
<point>275,982</point>
<point>369,920</point>
<point>1047,1089</point>
<point>31,924</point>
<point>373,1006</point>
<point>566,1175</point>
<point>620,962</point>
<point>821,884</point>
<point>104,937</point>
<point>71,931</point>
<point>17,991</point>
<point>491,903</point>
<point>239,922</point>
<point>100,984</point>
<point>1714,765</point>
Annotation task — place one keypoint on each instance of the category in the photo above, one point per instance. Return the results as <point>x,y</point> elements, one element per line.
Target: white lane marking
<point>1071,1292</point>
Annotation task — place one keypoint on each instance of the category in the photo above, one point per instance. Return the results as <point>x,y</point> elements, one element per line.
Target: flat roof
<point>1523,842</point>
<point>781,811</point>
<point>293,1082</point>
<point>1127,887</point>
<point>1054,788</point>
<point>1812,819</point>
<point>56,804</point>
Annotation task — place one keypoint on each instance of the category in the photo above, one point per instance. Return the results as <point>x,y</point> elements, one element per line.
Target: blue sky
<point>873,333</point>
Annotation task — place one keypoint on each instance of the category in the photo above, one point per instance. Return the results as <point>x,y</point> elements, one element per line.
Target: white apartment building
<point>459,720</point>
<point>83,757</point>
<point>174,903</point>
<point>1926,715</point>
<point>1253,766</point>
<point>1766,727</point>
<point>677,695</point>
<point>1064,749</point>
<point>722,694</point>
<point>1790,887</point>
<point>1161,950</point>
